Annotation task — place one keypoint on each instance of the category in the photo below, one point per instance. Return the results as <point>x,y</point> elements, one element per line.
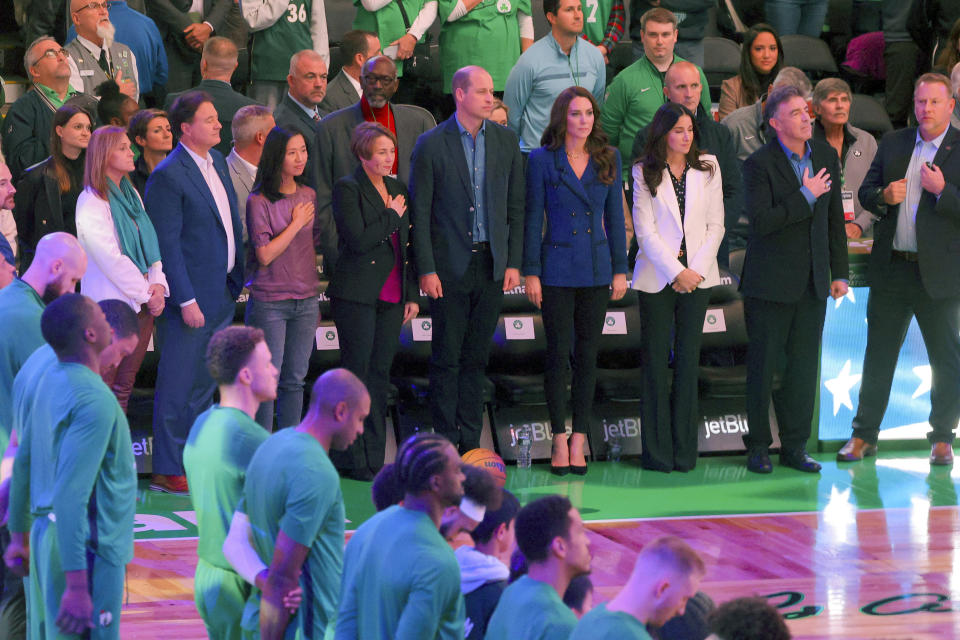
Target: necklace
<point>577,155</point>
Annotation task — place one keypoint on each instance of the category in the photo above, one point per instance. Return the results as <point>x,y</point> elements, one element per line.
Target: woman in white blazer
<point>678,220</point>
<point>123,256</point>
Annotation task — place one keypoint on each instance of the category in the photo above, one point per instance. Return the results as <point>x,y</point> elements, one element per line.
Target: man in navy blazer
<point>796,257</point>
<point>192,204</point>
<point>467,191</point>
<point>913,186</point>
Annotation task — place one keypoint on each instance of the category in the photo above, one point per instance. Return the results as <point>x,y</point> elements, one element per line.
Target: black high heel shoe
<point>559,470</point>
<point>578,470</point>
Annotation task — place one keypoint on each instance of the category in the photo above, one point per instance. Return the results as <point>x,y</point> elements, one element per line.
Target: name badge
<point>86,72</point>
<point>847,198</point>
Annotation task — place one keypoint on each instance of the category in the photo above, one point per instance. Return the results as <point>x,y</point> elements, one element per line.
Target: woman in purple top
<point>283,269</point>
<point>374,290</point>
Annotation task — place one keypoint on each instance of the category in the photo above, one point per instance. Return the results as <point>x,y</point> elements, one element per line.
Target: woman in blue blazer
<point>570,265</point>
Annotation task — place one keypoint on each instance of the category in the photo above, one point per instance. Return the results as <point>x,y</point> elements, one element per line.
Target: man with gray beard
<point>94,55</point>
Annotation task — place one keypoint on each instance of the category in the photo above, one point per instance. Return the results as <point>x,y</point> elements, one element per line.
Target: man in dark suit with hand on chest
<point>912,186</point>
<point>796,256</point>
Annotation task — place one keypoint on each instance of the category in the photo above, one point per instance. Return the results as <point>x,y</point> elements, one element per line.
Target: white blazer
<point>110,274</point>
<point>656,221</point>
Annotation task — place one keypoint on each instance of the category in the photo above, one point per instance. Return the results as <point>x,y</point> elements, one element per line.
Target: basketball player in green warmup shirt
<point>292,507</point>
<point>220,445</point>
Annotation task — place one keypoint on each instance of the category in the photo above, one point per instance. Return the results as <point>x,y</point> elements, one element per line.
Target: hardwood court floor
<point>864,551</point>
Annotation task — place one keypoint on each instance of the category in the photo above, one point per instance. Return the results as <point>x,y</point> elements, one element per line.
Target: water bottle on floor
<point>614,445</point>
<point>524,447</point>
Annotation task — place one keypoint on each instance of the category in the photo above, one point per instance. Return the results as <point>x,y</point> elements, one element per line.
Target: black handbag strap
<point>403,14</point>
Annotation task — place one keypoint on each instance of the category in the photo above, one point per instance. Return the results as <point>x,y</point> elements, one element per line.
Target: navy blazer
<point>789,238</point>
<point>442,199</point>
<point>585,239</point>
<point>364,226</point>
<point>938,219</point>
<point>193,244</point>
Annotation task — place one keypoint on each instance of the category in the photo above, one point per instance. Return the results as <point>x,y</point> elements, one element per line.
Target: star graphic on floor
<point>840,387</point>
<point>925,374</point>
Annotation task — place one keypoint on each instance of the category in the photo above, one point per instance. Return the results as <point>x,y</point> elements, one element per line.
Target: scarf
<point>138,239</point>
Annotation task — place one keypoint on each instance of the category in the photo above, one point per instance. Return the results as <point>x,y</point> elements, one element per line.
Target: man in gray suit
<point>185,32</point>
<point>250,127</point>
<point>344,90</point>
<point>216,67</point>
<point>378,79</point>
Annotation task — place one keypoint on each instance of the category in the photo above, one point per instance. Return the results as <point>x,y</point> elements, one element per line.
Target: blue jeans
<point>805,17</point>
<point>289,327</point>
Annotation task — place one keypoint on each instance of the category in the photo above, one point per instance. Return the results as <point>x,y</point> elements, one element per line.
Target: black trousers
<point>668,413</point>
<point>893,302</point>
<point>369,335</point>
<point>464,320</point>
<point>572,314</point>
<point>782,332</point>
<point>903,62</point>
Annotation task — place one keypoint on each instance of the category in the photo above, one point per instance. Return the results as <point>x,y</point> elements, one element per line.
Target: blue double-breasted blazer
<point>584,243</point>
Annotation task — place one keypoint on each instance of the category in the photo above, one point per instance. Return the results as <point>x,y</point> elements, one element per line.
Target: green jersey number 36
<point>298,14</point>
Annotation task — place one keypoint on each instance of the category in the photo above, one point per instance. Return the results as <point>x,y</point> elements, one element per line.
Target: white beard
<point>107,31</point>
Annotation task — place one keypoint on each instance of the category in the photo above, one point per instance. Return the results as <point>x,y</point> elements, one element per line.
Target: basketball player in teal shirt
<point>292,507</point>
<point>82,542</point>
<point>218,450</point>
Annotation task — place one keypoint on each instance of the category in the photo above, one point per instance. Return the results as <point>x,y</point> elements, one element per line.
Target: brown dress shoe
<point>856,449</point>
<point>941,454</point>
<point>175,485</point>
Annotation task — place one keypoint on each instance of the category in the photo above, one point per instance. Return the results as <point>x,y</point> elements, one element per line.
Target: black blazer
<point>365,225</point>
<point>938,221</point>
<point>787,238</point>
<point>443,201</point>
<point>38,209</point>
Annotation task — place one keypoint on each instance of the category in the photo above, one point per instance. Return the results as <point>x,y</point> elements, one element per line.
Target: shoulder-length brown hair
<point>62,116</point>
<point>554,136</point>
<point>654,157</point>
<point>103,141</point>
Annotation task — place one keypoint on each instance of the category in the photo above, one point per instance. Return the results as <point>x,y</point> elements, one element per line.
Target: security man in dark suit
<point>796,256</point>
<point>216,67</point>
<point>468,193</point>
<point>344,89</point>
<point>913,186</point>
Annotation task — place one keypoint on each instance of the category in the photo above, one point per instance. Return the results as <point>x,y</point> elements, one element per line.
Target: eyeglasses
<point>93,6</point>
<point>54,53</point>
<point>381,80</point>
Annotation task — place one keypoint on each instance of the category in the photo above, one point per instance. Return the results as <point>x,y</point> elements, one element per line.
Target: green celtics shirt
<point>94,472</point>
<point>602,624</point>
<point>272,47</point>
<point>488,36</point>
<point>401,581</point>
<point>20,311</point>
<point>387,22</point>
<point>530,610</point>
<point>31,489</point>
<point>221,443</point>
<point>596,13</point>
<point>292,486</point>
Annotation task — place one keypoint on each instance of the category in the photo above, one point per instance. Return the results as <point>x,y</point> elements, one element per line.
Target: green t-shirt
<point>488,36</point>
<point>401,581</point>
<point>596,13</point>
<point>94,472</point>
<point>531,610</point>
<point>272,47</point>
<point>221,443</point>
<point>602,624</point>
<point>387,22</point>
<point>632,99</point>
<point>20,311</point>
<point>292,486</point>
<point>31,490</point>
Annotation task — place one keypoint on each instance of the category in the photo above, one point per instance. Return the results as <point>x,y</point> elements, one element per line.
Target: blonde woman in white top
<point>678,219</point>
<point>121,245</point>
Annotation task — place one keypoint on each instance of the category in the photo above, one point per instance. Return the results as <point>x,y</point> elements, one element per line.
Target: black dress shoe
<point>799,460</point>
<point>578,470</point>
<point>560,471</point>
<point>759,462</point>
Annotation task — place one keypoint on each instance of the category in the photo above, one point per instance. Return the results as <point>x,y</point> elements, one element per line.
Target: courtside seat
<point>619,357</point>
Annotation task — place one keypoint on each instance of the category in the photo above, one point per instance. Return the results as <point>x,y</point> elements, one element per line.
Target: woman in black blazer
<point>374,289</point>
<point>46,198</point>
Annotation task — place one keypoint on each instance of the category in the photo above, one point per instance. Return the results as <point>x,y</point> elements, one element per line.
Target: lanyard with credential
<point>571,60</point>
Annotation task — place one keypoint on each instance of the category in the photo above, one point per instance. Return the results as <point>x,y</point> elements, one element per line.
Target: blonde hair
<point>102,143</point>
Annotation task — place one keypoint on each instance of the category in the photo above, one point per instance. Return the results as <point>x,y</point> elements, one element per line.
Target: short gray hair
<point>28,59</point>
<point>247,122</point>
<point>304,53</point>
<point>827,86</point>
<point>793,77</point>
<point>777,97</point>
